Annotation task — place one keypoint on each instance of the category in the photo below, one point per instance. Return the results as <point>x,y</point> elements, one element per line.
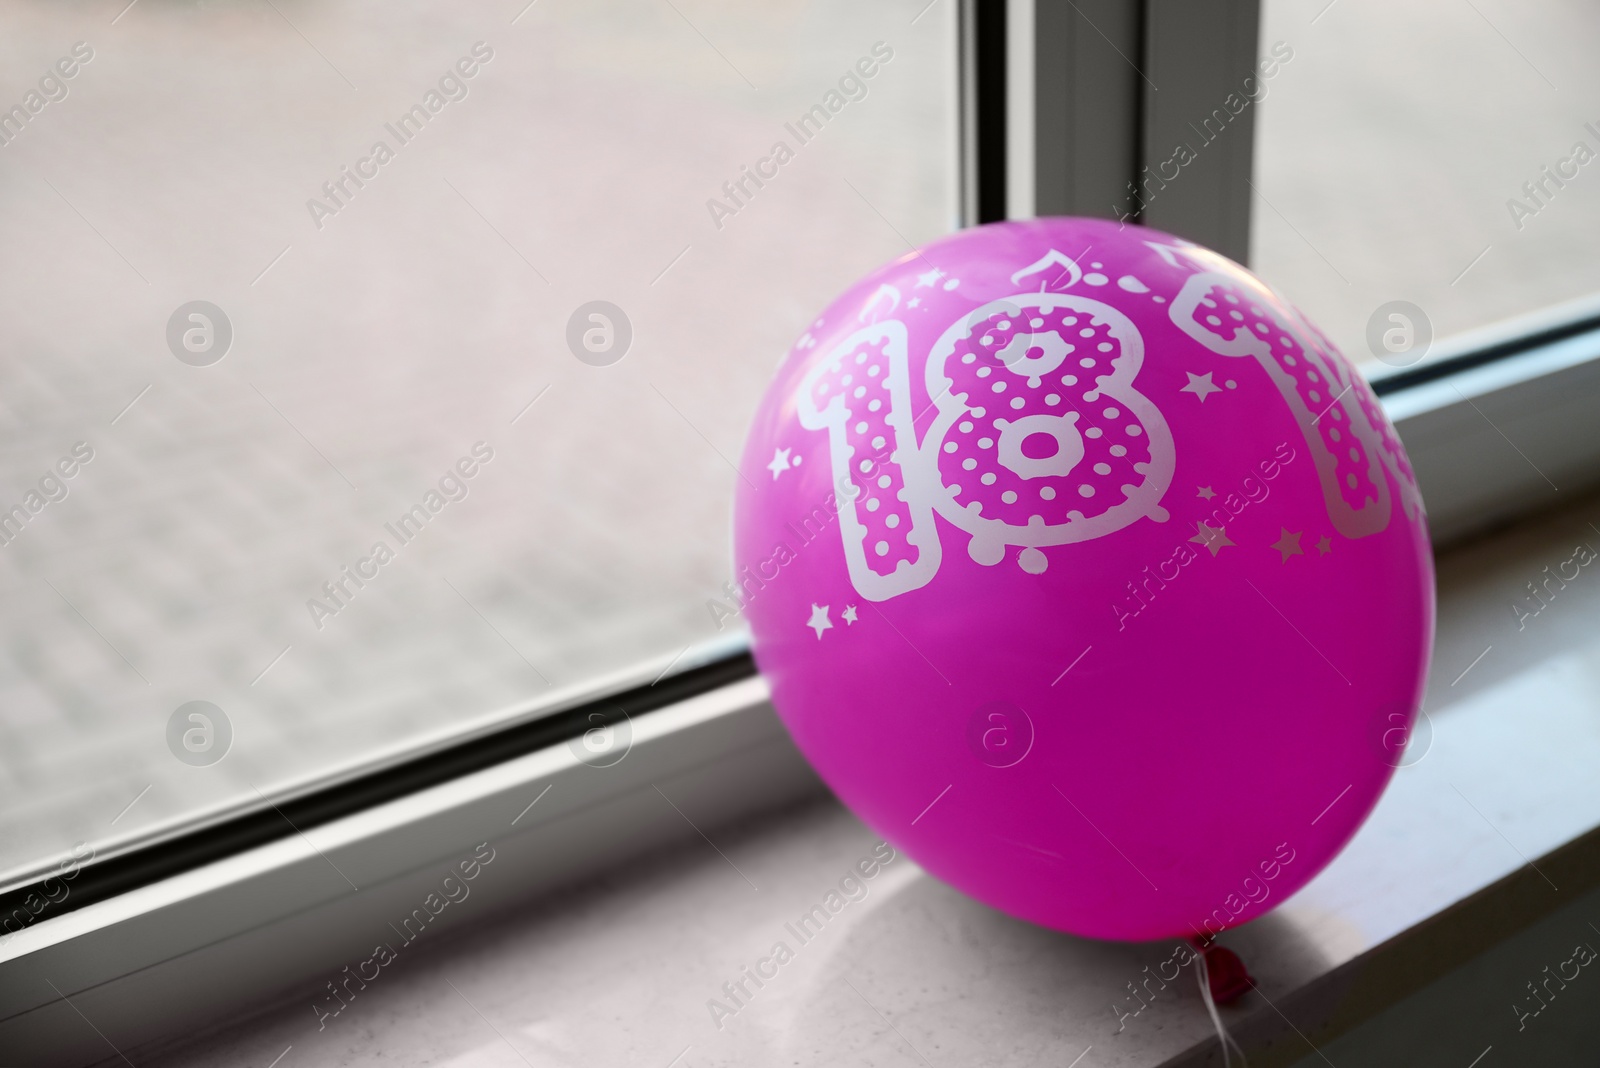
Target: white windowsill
<point>621,970</point>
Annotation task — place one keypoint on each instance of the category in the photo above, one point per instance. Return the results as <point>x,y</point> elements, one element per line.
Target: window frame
<point>206,924</point>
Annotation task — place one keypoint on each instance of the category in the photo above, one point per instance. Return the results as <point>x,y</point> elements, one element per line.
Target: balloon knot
<point>1226,975</point>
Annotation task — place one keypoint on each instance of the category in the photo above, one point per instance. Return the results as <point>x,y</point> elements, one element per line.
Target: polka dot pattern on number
<point>1049,365</point>
<point>880,486</point>
<point>1226,310</point>
<point>1368,402</point>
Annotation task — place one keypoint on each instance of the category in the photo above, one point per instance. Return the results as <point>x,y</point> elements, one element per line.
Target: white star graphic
<point>849,615</point>
<point>1213,538</point>
<point>1200,385</point>
<point>1288,544</point>
<point>929,277</point>
<point>819,621</point>
<point>780,462</point>
<point>914,302</point>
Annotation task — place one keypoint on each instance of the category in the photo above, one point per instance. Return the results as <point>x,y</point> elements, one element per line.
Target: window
<point>320,449</point>
<point>518,346</point>
<point>1436,155</point>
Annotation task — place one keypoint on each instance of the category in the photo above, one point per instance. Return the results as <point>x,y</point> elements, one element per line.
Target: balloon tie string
<point>1204,975</point>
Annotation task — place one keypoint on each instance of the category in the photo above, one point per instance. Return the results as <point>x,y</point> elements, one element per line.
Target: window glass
<point>1442,155</point>
<point>374,374</point>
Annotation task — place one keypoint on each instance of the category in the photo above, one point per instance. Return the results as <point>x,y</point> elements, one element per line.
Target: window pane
<point>1401,156</point>
<point>302,419</point>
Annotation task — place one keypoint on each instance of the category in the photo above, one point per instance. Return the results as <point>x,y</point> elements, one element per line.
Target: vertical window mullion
<point>983,111</point>
<point>1114,88</point>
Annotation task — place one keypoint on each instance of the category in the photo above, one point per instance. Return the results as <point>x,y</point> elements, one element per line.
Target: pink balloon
<point>1085,570</point>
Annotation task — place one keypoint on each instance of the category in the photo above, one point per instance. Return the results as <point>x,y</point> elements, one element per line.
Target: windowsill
<point>622,969</point>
